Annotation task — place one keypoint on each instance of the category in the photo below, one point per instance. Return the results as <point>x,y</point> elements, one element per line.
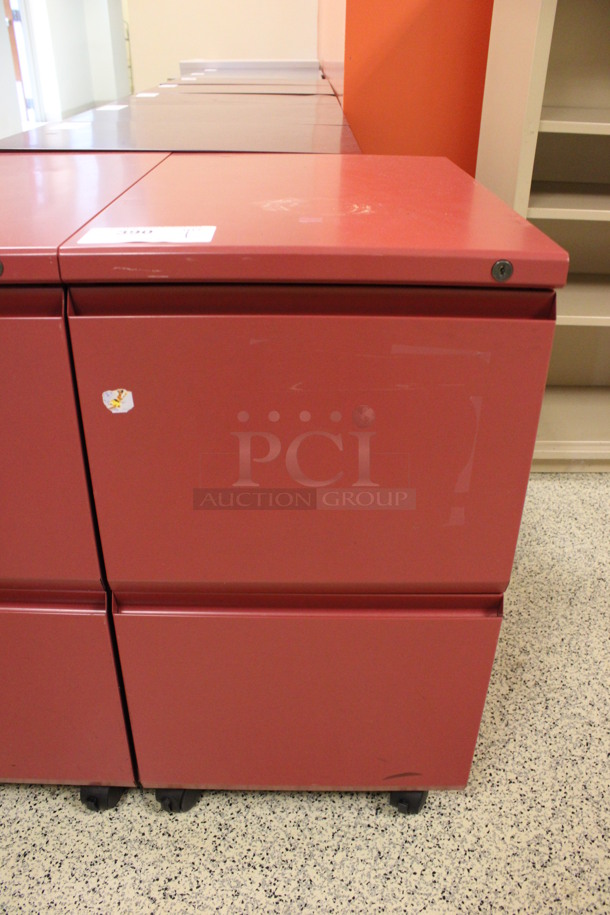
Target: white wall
<point>106,49</point>
<point>79,51</point>
<point>164,33</point>
<point>331,31</point>
<point>10,119</point>
<point>68,30</point>
<point>331,41</point>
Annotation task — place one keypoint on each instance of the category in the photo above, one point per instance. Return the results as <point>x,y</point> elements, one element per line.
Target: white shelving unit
<point>593,121</point>
<point>545,148</point>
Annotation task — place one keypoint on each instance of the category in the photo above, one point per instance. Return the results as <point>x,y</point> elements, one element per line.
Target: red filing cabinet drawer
<point>61,717</point>
<point>303,697</point>
<point>294,438</point>
<point>46,528</point>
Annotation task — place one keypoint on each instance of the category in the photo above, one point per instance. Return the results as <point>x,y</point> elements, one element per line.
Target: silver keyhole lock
<point>502,271</point>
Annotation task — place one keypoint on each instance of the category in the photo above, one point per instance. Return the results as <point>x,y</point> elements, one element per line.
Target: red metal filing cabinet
<point>310,389</point>
<point>253,86</point>
<point>175,120</point>
<point>301,72</point>
<point>61,716</point>
<point>226,111</point>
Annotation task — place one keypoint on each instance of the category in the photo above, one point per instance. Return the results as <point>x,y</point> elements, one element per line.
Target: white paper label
<point>111,107</point>
<point>69,125</point>
<point>147,94</point>
<point>149,235</point>
<point>168,85</point>
<point>188,79</point>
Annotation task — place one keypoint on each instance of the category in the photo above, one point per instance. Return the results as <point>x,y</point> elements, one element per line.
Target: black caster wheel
<point>408,801</point>
<point>177,800</point>
<point>100,797</point>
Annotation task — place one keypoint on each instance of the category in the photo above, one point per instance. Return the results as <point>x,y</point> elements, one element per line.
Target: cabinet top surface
<point>342,219</point>
<point>48,197</point>
<point>184,120</point>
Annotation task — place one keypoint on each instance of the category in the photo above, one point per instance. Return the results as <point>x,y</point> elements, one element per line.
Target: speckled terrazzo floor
<point>531,834</point>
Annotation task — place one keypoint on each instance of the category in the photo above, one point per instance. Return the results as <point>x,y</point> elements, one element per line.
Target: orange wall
<point>414,76</point>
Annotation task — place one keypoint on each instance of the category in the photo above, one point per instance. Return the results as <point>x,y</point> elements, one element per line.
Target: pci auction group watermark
<point>252,499</point>
<point>307,492</point>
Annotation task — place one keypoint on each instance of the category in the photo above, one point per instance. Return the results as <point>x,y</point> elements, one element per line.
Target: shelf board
<point>567,200</point>
<point>575,120</point>
<point>585,301</point>
<point>574,425</point>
